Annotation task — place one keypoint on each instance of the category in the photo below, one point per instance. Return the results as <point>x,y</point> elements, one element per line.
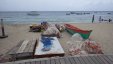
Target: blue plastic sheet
<point>47,43</point>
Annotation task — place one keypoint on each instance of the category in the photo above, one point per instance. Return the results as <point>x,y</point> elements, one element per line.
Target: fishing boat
<point>67,13</point>
<point>108,13</point>
<point>79,13</point>
<point>33,13</point>
<point>72,30</point>
<point>72,12</point>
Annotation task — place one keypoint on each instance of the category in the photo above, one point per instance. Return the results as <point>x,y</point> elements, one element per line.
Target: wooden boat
<point>72,30</point>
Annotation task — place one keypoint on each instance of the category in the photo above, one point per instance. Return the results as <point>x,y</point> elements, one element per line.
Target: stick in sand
<point>3,32</point>
<point>93,18</point>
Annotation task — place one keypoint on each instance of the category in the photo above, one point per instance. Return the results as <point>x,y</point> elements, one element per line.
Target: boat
<point>67,13</point>
<point>72,12</point>
<point>33,13</point>
<point>108,13</point>
<point>79,13</point>
<point>72,30</point>
<point>86,13</point>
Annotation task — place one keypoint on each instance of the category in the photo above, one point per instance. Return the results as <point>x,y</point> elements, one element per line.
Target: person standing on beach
<point>100,19</point>
<point>109,20</point>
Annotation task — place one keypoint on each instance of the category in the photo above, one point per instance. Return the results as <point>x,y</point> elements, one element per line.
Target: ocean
<point>22,17</point>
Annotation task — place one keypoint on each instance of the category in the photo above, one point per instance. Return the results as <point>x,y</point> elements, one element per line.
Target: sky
<point>56,5</point>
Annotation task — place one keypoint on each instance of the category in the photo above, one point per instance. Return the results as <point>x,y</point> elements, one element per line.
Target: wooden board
<point>97,59</point>
<point>24,49</point>
<point>56,49</point>
<point>23,46</point>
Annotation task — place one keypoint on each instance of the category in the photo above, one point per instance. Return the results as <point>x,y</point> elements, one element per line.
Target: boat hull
<point>72,30</point>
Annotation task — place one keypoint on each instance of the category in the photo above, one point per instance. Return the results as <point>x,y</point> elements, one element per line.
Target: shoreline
<point>57,23</point>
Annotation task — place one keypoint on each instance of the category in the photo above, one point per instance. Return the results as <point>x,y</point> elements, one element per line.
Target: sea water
<point>22,17</point>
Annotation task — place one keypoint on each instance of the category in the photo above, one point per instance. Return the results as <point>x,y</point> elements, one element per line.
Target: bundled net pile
<point>51,31</point>
<point>77,46</point>
<point>92,47</point>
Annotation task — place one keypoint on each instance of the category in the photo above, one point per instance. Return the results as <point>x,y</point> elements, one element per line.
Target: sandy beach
<point>102,33</point>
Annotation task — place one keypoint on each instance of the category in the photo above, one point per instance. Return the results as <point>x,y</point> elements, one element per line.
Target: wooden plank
<point>22,63</point>
<point>15,63</point>
<point>67,60</point>
<point>89,59</point>
<point>38,62</point>
<point>56,49</point>
<point>23,46</point>
<point>33,62</point>
<point>72,60</point>
<point>19,62</point>
<point>48,62</point>
<point>109,56</point>
<point>62,61</point>
<point>15,48</point>
<point>98,59</point>
<point>8,63</point>
<point>52,61</point>
<point>57,61</point>
<point>27,47</point>
<point>26,52</point>
<point>107,59</point>
<point>77,60</point>
<point>94,60</point>
<point>32,45</point>
<point>112,56</point>
<point>13,51</point>
<point>81,61</point>
<point>103,60</point>
<point>85,60</point>
<point>42,62</point>
<point>27,62</point>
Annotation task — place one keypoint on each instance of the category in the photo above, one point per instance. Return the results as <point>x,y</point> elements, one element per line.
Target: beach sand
<point>102,33</point>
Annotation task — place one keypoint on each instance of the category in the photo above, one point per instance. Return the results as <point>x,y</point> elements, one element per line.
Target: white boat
<point>33,13</point>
